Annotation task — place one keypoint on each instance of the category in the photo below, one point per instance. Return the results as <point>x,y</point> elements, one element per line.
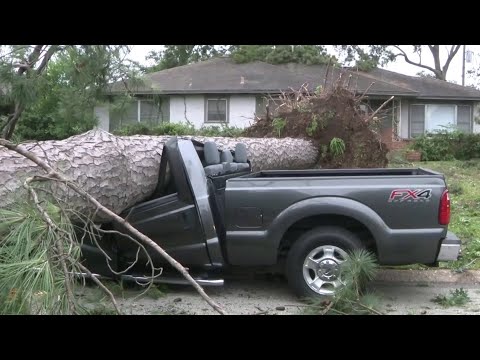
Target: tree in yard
<point>439,69</point>
<point>178,55</point>
<point>49,90</point>
<point>365,58</point>
<point>282,54</point>
<point>368,57</point>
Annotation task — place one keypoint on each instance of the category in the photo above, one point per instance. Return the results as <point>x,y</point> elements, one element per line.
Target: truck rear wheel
<point>314,260</point>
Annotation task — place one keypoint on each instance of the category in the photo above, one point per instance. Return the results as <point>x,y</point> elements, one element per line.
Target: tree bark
<point>122,171</point>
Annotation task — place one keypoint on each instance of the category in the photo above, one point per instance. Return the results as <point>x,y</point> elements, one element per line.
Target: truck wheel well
<point>351,224</point>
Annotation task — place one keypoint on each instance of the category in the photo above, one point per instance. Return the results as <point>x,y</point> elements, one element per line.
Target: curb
<point>429,276</point>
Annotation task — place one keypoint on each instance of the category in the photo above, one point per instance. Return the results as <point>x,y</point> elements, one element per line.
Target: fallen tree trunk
<point>122,171</point>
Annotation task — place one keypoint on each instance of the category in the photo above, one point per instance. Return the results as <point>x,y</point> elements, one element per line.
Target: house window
<point>216,110</point>
<point>430,118</point>
<point>148,112</point>
<point>144,111</point>
<point>440,117</point>
<point>272,101</point>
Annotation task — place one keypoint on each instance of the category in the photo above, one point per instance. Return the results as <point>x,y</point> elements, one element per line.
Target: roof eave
<point>469,98</point>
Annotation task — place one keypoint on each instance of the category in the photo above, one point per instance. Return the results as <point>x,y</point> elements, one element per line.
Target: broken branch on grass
<point>114,217</point>
<point>58,247</point>
<point>101,286</point>
<point>60,250</point>
<point>369,308</point>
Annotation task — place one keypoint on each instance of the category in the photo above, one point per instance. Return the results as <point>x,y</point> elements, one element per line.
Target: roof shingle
<point>223,75</point>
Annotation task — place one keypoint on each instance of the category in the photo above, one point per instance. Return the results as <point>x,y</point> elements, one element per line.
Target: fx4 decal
<point>410,195</point>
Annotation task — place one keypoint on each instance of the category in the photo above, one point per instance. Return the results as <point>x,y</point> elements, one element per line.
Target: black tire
<point>321,236</point>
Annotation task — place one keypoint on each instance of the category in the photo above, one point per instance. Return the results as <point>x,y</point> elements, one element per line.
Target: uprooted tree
<point>332,120</point>
<point>100,175</point>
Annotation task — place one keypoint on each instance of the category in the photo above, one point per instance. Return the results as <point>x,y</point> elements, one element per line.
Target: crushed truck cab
<point>211,212</point>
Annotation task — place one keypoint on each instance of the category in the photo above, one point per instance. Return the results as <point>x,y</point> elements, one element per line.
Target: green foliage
<point>31,278</point>
<point>465,203</point>
<point>178,129</point>
<point>279,124</point>
<point>337,146</point>
<point>154,293</point>
<point>223,131</point>
<point>366,58</point>
<point>328,116</point>
<point>313,126</point>
<point>178,55</point>
<point>99,309</point>
<point>282,54</point>
<point>457,297</point>
<point>448,145</point>
<point>359,268</point>
<point>59,98</point>
<point>134,129</point>
<point>455,189</point>
<point>323,151</point>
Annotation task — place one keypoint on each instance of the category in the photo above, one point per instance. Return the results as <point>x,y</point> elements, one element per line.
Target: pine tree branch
<point>369,308</point>
<point>46,58</point>
<point>101,286</point>
<point>9,126</point>
<point>57,244</point>
<point>60,250</point>
<point>12,120</point>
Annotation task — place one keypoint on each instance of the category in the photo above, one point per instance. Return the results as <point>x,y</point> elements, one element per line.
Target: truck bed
<point>404,201</point>
<point>342,172</point>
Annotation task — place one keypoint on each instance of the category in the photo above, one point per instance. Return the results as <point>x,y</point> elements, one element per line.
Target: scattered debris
<point>457,297</point>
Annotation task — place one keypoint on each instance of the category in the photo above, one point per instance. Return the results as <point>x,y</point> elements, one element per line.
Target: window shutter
<point>464,118</point>
<point>417,120</point>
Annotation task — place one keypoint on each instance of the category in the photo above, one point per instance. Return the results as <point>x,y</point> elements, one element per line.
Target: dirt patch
<point>345,135</point>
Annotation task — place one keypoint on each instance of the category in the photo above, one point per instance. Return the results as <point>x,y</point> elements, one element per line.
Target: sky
<point>454,74</point>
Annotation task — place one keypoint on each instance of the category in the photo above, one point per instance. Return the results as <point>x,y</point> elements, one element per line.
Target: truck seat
<point>212,159</point>
<point>227,160</point>
<point>241,157</point>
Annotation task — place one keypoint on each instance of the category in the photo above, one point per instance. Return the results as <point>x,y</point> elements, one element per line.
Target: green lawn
<point>463,181</point>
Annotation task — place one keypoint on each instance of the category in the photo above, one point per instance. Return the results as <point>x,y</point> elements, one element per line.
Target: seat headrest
<point>241,153</point>
<point>226,156</point>
<point>210,151</point>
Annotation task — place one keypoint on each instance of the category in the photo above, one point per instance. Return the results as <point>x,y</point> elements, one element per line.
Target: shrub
<point>178,129</point>
<point>223,131</point>
<point>133,129</point>
<point>173,129</point>
<point>448,145</point>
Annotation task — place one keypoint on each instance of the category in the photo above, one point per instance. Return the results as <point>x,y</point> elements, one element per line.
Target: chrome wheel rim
<point>321,269</point>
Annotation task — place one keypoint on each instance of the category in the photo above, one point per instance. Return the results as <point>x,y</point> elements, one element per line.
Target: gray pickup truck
<point>212,213</point>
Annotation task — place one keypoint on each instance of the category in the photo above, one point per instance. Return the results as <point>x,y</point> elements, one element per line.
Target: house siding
<point>242,110</point>
<point>187,109</point>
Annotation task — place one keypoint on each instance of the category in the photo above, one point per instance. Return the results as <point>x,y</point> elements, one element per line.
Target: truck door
<point>170,219</point>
